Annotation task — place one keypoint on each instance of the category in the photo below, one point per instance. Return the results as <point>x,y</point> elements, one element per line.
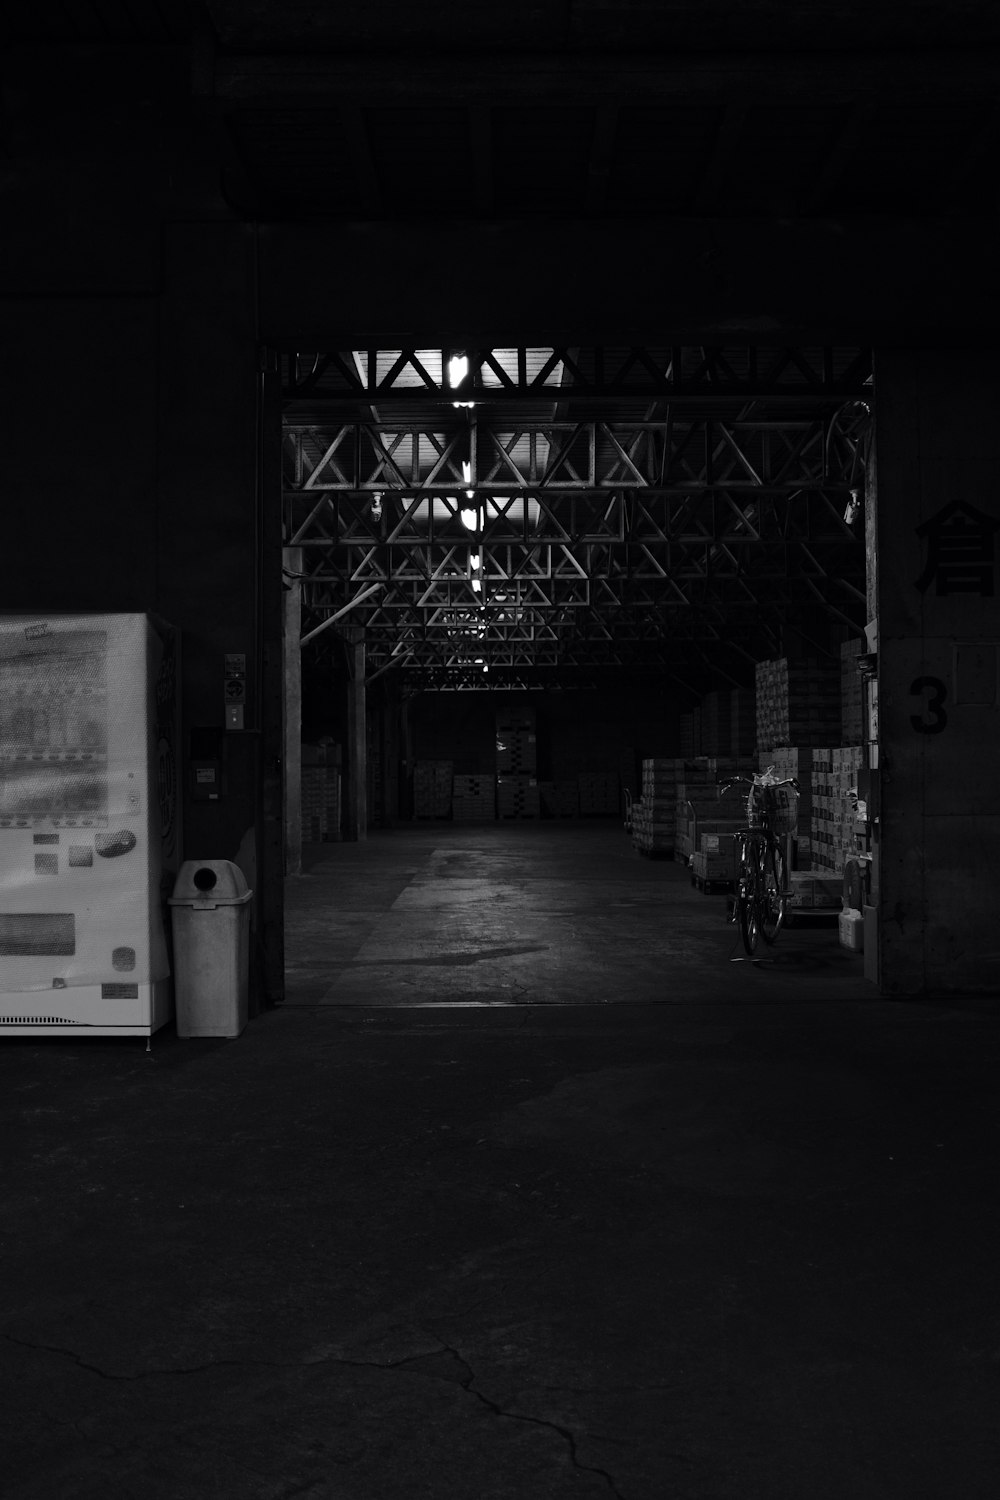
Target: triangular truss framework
<point>568,511</point>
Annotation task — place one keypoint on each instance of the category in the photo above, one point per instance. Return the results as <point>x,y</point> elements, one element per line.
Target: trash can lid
<point>210,882</point>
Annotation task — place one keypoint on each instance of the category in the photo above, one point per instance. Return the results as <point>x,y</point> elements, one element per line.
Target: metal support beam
<point>356,809</point>
<point>340,613</point>
<point>293,711</point>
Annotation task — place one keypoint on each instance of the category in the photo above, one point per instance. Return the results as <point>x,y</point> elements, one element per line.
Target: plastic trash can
<point>211,927</point>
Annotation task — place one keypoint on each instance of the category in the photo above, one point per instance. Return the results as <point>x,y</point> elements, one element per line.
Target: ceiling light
<point>477,585</point>
<point>475,560</point>
<point>469,519</point>
<point>458,369</point>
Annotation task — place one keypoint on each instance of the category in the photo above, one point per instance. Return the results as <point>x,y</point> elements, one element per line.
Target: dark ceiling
<point>547,111</point>
<point>392,110</point>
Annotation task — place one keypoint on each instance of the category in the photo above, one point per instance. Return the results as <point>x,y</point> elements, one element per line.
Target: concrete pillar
<point>293,711</point>
<point>356,789</point>
<point>938,524</point>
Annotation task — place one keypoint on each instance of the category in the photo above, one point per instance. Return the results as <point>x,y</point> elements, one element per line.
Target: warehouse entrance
<point>521,581</point>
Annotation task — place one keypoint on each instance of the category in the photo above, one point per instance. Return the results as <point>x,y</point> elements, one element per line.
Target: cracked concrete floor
<point>730,1247</point>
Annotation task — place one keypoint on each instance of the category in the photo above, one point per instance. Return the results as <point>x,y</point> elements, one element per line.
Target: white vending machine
<point>89,822</point>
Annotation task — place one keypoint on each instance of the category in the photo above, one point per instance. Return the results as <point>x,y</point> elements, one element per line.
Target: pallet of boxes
<point>517,764</point>
<point>321,765</point>
<point>432,789</point>
<point>708,820</point>
<point>805,710</point>
<point>654,813</point>
<point>473,799</point>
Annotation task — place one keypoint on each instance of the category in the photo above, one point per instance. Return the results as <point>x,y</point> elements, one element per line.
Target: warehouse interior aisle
<point>529,913</point>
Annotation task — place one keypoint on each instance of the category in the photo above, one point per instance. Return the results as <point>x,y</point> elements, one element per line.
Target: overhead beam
<point>902,77</point>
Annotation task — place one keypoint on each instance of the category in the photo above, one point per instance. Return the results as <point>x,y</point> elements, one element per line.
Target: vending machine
<point>89,823</point>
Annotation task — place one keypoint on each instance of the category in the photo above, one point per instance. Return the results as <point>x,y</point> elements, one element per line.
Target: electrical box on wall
<point>206,763</point>
<point>235,690</point>
<point>206,780</point>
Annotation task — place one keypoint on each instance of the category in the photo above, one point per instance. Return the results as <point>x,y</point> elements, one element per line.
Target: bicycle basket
<point>781,804</point>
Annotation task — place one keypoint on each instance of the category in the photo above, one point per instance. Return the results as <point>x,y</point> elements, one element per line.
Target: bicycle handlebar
<point>755,780</point>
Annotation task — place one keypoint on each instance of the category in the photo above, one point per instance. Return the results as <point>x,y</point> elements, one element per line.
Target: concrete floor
<point>661,1227</point>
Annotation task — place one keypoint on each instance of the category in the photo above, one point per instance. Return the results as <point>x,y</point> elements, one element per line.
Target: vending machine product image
<point>89,835</point>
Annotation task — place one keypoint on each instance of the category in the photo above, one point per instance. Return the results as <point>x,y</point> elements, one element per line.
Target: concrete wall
<point>129,481</point>
<point>939,651</point>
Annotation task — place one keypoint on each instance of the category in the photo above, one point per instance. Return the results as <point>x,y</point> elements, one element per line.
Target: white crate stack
<point>797,703</point>
<point>835,826</point>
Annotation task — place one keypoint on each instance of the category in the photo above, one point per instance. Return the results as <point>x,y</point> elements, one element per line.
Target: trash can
<point>211,927</point>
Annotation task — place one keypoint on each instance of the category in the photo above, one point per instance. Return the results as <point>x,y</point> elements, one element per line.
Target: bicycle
<point>762,882</point>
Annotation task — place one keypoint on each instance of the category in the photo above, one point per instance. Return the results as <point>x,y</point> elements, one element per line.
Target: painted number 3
<point>933,718</point>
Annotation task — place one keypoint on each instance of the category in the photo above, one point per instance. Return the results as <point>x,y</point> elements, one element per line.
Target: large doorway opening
<point>516,576</point>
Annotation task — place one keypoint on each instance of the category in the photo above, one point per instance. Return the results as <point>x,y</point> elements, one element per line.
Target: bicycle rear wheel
<point>772,892</point>
<point>747,895</point>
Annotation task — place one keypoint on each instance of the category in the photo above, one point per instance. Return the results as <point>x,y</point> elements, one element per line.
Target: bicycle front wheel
<point>772,892</point>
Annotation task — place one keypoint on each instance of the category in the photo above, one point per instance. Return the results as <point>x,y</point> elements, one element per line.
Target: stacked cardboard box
<point>559,799</point>
<point>654,815</point>
<point>432,788</point>
<point>851,704</point>
<point>798,703</point>
<point>518,797</point>
<point>700,808</point>
<point>716,726</point>
<point>796,762</point>
<point>810,891</point>
<point>473,799</point>
<point>835,782</point>
<point>320,803</point>
<point>715,859</point>
<point>599,793</point>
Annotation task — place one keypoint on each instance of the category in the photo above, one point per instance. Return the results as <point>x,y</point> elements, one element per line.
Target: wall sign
<point>933,719</point>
